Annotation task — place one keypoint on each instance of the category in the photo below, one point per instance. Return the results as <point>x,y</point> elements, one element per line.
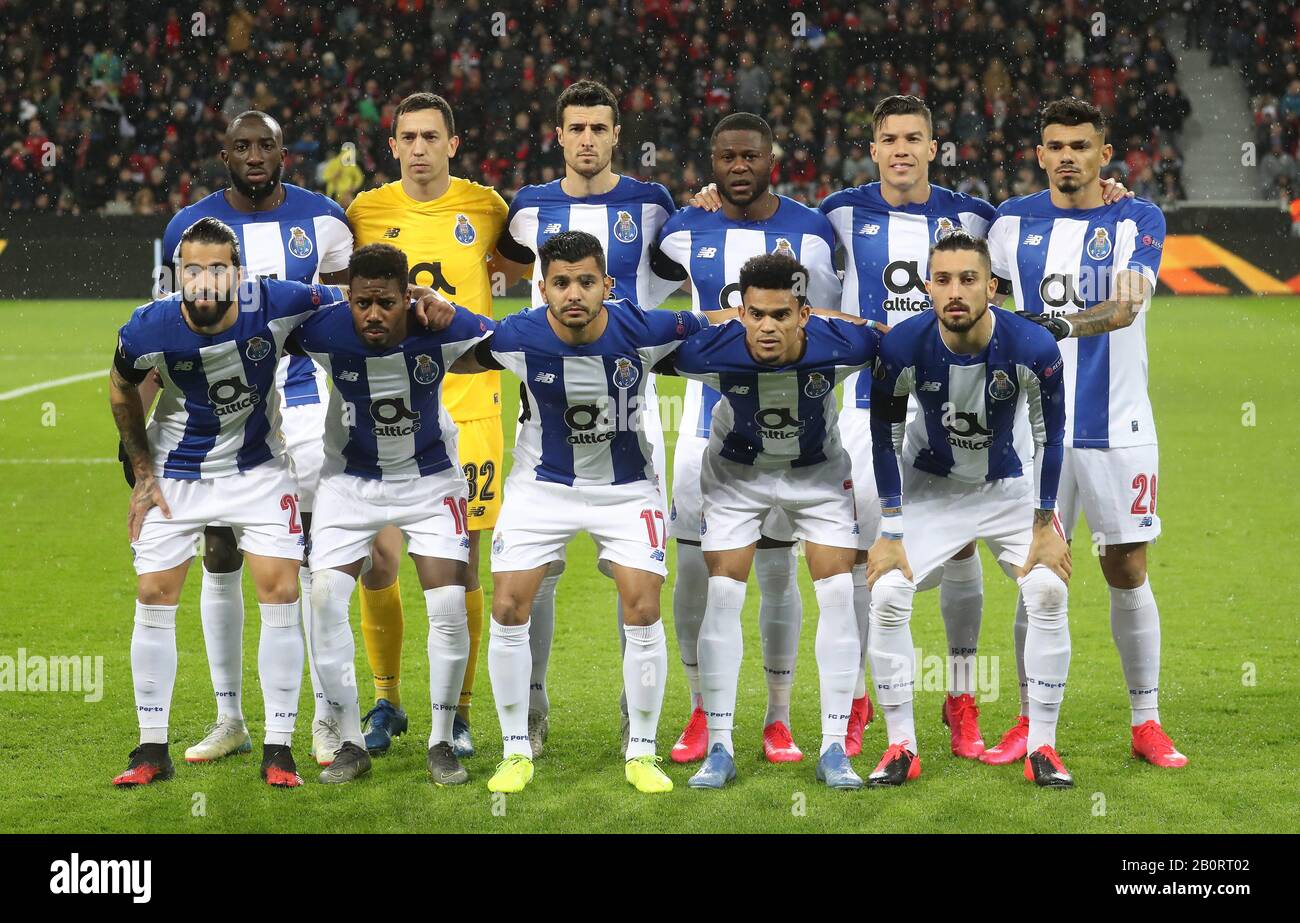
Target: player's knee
<point>221,552</point>
<point>891,600</point>
<point>1046,595</point>
<point>279,589</point>
<point>1125,566</point>
<point>154,592</point>
<point>641,610</point>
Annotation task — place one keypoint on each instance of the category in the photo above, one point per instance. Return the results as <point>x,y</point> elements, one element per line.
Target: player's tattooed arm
<point>124,398</point>
<point>1131,292</point>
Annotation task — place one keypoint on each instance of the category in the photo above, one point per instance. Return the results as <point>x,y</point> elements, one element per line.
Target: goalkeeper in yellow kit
<point>448,228</point>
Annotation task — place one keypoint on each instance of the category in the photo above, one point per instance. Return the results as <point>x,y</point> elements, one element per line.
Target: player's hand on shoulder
<point>886,554</point>
<point>1112,191</point>
<point>707,198</point>
<point>1058,327</point>
<point>146,494</point>
<point>430,308</point>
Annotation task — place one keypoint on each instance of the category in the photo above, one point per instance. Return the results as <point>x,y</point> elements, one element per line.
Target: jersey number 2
<point>1141,504</point>
<point>290,502</point>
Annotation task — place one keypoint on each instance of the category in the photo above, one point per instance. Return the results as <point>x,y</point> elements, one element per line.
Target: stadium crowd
<point>120,108</point>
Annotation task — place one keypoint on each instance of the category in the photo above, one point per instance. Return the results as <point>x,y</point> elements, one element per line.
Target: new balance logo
<point>545,378</point>
<point>552,228</point>
<point>707,253</point>
<point>930,386</point>
<point>1033,240</point>
<point>738,389</point>
<point>185,365</point>
<point>869,229</point>
<point>348,376</point>
<point>392,232</point>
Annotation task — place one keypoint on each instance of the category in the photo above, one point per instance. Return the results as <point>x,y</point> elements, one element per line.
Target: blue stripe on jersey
<point>1032,259</point>
<point>300,382</point>
<point>1092,405</point>
<point>556,462</point>
<point>742,443</point>
<point>625,448</point>
<point>1000,417</point>
<point>936,457</point>
<point>353,385</point>
<point>257,427</point>
<point>707,275</point>
<point>201,423</point>
<point>430,450</point>
<point>812,438</point>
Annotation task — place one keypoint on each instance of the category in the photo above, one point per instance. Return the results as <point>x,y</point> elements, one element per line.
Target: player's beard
<point>962,324</point>
<point>756,192</point>
<point>257,192</point>
<point>206,316</point>
<point>1070,182</point>
<point>596,167</point>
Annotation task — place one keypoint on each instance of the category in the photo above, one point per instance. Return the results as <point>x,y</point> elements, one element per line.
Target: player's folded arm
<point>478,359</point>
<point>888,412</point>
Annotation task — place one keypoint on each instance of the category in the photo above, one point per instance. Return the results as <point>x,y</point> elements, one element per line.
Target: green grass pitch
<point>1222,373</point>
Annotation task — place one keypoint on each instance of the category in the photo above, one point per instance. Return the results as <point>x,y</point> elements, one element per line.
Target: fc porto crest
<point>943,227</point>
<point>783,248</point>
<point>299,243</point>
<point>625,373</point>
<point>816,385</point>
<point>465,232</point>
<point>426,370</point>
<point>625,228</point>
<point>1001,388</point>
<point>1099,246</point>
<point>257,349</point>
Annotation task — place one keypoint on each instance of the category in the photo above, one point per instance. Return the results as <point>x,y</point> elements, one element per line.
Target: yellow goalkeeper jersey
<point>447,243</point>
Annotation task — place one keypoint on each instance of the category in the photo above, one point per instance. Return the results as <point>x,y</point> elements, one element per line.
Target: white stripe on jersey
<point>263,249</point>
<point>389,378</point>
<point>333,243</point>
<point>586,382</point>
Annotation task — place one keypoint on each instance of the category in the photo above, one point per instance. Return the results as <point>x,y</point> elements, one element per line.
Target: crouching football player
<point>390,459</point>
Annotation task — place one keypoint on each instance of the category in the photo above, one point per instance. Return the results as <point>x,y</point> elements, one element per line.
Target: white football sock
<point>509,666</point>
<point>153,669</point>
<point>320,709</point>
<point>837,654</point>
<point>1019,630</point>
<point>862,614</point>
<point>690,593</point>
<point>721,648</point>
<point>1135,626</point>
<point>448,655</point>
<point>645,670</point>
<point>279,668</point>
<point>780,616</point>
<point>221,610</point>
<point>333,650</point>
<point>541,618</point>
<point>893,667</point>
<point>961,602</point>
<point>1047,652</point>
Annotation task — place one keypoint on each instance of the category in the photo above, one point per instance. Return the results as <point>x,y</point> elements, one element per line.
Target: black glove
<point>1058,327</point>
<point>127,471</point>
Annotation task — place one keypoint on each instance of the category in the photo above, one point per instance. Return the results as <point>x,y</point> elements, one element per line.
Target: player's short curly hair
<point>901,105</point>
<point>418,101</point>
<point>961,240</point>
<point>379,261</point>
<point>585,93</point>
<point>775,272</point>
<point>571,247</point>
<point>210,231</point>
<point>1070,110</point>
<point>742,121</point>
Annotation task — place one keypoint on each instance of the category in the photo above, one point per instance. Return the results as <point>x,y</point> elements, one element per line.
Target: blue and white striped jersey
<point>710,248</point>
<point>580,419</point>
<point>777,416</point>
<point>386,420</point>
<point>887,253</point>
<point>1063,260</point>
<point>305,236</point>
<point>973,408</point>
<point>218,412</point>
<point>626,220</point>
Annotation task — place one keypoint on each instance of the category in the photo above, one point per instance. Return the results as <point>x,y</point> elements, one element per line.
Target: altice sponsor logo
<point>76,875</point>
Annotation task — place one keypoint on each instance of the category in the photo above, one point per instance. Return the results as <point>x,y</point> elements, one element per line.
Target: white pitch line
<point>53,383</point>
<point>58,461</point>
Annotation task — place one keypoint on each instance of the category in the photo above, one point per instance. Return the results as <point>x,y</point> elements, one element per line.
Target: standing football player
<point>985,382</point>
<point>774,444</point>
<point>285,232</point>
<point>624,215</point>
<point>1087,271</point>
<point>390,460</point>
<point>449,229</point>
<point>710,248</point>
<point>212,455</point>
<point>583,462</point>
